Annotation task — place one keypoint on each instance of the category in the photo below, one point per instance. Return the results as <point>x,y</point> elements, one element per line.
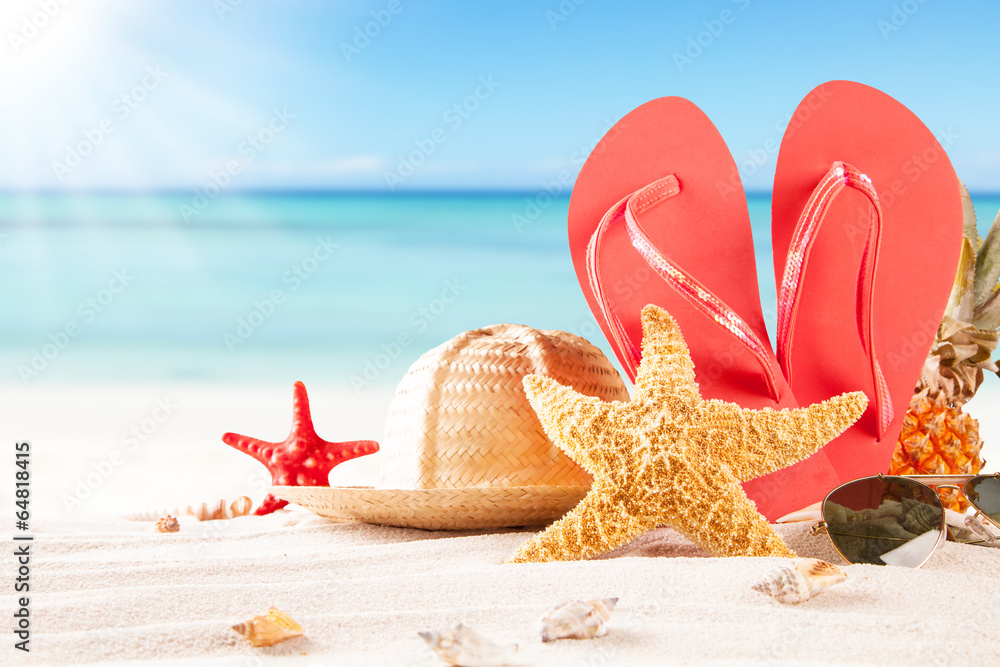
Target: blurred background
<point>203,201</point>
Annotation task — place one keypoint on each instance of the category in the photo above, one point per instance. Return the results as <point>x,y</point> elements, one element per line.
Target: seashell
<point>167,524</point>
<point>269,628</point>
<point>799,580</point>
<point>464,646</point>
<point>203,512</point>
<point>577,620</point>
<point>920,518</point>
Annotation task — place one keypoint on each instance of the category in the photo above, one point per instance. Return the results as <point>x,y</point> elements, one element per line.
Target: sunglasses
<point>899,520</point>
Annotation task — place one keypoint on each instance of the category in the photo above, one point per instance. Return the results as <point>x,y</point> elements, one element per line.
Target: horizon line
<point>346,192</point>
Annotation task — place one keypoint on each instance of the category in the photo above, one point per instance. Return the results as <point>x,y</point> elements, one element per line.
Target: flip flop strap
<point>621,341</point>
<point>680,280</point>
<point>841,175</point>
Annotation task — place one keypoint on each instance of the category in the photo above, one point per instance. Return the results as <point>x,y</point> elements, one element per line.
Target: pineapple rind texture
<point>938,439</point>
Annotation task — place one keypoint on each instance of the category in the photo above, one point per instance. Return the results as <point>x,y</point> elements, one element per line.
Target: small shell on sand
<point>167,524</point>
<point>203,512</point>
<point>464,646</point>
<point>269,628</point>
<point>577,620</point>
<point>800,579</point>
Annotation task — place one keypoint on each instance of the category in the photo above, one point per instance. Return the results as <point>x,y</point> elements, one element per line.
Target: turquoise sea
<point>264,287</point>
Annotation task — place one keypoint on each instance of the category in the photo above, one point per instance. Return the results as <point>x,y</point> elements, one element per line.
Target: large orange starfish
<point>668,457</point>
<point>304,458</point>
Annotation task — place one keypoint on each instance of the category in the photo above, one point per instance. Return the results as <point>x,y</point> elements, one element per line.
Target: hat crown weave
<point>460,417</point>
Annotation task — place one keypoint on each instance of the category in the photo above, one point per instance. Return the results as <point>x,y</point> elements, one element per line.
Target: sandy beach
<point>113,591</point>
<point>106,590</point>
<point>168,440</point>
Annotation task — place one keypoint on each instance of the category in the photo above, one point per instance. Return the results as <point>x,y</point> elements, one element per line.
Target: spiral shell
<point>167,524</point>
<point>577,620</point>
<point>799,580</point>
<point>203,512</point>
<point>269,628</point>
<point>464,646</point>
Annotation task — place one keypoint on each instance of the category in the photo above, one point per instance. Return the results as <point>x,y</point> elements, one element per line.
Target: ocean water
<point>268,287</point>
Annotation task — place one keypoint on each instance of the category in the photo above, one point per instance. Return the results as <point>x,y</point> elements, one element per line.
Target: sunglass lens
<point>984,493</point>
<point>889,521</point>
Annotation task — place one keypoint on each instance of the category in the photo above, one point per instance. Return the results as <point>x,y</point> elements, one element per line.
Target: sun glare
<point>44,40</point>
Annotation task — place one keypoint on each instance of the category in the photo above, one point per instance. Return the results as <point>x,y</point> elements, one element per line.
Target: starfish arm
<point>567,417</point>
<point>269,504</point>
<point>708,505</point>
<point>301,414</point>
<point>757,442</point>
<point>597,524</point>
<point>666,373</point>
<point>338,452</point>
<point>259,449</point>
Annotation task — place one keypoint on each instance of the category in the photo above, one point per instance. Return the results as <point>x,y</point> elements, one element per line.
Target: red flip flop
<point>658,215</point>
<point>866,229</point>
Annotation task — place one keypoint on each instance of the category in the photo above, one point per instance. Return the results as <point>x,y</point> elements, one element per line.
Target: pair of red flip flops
<point>866,231</point>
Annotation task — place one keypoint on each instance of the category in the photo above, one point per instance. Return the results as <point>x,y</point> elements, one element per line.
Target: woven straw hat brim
<point>438,509</point>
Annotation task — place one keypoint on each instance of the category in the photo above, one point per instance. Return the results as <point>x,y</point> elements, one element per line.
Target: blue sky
<point>290,94</point>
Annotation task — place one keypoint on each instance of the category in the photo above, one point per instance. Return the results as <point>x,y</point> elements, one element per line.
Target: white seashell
<point>577,620</point>
<point>799,580</point>
<point>269,628</point>
<point>203,512</point>
<point>464,646</point>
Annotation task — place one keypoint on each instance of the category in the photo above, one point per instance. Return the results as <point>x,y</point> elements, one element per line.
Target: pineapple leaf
<point>960,303</point>
<point>987,314</point>
<point>988,266</point>
<point>969,227</point>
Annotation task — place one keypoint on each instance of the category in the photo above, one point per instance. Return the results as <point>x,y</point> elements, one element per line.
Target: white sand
<point>109,591</point>
<point>75,430</point>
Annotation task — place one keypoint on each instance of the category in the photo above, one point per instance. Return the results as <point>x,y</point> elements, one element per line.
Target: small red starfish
<point>303,459</point>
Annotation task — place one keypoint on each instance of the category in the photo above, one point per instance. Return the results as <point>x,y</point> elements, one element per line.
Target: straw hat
<point>463,449</point>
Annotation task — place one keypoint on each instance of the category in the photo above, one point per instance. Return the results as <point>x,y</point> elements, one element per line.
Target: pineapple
<point>937,436</point>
